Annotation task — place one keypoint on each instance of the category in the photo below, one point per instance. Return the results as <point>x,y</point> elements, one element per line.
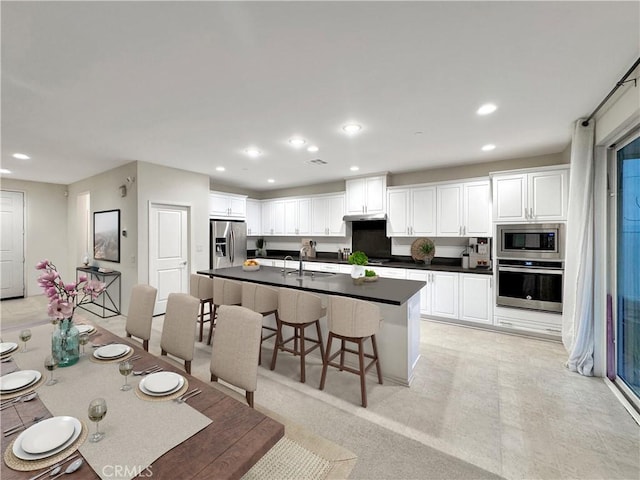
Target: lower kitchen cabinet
<point>547,323</point>
<point>439,297</point>
<point>476,298</point>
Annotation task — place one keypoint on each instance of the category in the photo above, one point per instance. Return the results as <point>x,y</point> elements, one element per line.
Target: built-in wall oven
<point>530,266</point>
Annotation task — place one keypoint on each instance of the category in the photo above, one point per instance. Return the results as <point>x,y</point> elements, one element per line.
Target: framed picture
<point>106,235</point>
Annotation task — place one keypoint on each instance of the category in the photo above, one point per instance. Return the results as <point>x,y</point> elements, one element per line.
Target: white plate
<point>18,380</point>
<point>47,435</point>
<point>161,383</point>
<point>85,328</point>
<point>19,452</point>
<point>7,347</point>
<point>111,351</point>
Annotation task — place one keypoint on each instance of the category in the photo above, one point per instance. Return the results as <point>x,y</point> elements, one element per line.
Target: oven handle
<point>531,270</point>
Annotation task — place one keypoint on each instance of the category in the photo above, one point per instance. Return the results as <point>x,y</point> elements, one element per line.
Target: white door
<point>476,298</point>
<point>11,244</point>
<point>168,252</point>
<point>335,212</point>
<point>423,211</point>
<point>355,195</point>
<point>509,198</point>
<point>477,210</point>
<point>444,294</point>
<point>548,195</point>
<point>397,205</point>
<point>449,211</point>
<point>375,195</point>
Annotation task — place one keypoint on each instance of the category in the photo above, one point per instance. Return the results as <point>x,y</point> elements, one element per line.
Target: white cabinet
<point>425,292</point>
<point>388,272</point>
<point>528,320</point>
<point>254,217</point>
<point>449,215</point>
<point>536,196</point>
<point>326,215</point>
<point>273,220</point>
<point>297,216</point>
<point>227,205</point>
<point>464,209</point>
<point>366,195</point>
<point>411,212</point>
<point>476,298</point>
<point>444,294</point>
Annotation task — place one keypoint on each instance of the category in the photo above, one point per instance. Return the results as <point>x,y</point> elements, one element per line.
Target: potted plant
<point>358,259</point>
<point>260,250</point>
<point>428,250</point>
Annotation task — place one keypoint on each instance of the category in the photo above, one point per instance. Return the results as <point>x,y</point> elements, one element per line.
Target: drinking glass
<point>83,339</point>
<point>125,367</point>
<point>25,335</point>
<point>51,363</point>
<point>97,411</point>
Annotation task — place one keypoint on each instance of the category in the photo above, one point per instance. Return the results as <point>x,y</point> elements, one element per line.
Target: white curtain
<point>577,317</point>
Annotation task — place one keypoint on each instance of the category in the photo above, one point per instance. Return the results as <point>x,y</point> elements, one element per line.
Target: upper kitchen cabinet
<point>254,217</point>
<point>366,195</point>
<point>297,216</point>
<point>464,209</point>
<point>411,211</point>
<point>326,215</point>
<point>534,196</point>
<point>273,217</point>
<point>227,205</point>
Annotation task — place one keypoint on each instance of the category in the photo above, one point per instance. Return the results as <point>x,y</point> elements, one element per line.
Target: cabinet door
<point>422,211</point>
<point>398,214</point>
<point>449,210</point>
<point>319,215</point>
<point>237,206</point>
<point>291,217</point>
<point>254,217</point>
<point>304,216</point>
<point>376,192</point>
<point>267,218</point>
<point>218,205</point>
<point>477,211</point>
<point>548,195</point>
<point>444,294</point>
<point>278,219</point>
<point>425,297</point>
<point>356,194</point>
<point>476,298</point>
<point>335,213</point>
<point>509,198</point>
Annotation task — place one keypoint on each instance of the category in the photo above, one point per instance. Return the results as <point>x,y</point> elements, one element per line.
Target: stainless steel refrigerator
<point>228,243</point>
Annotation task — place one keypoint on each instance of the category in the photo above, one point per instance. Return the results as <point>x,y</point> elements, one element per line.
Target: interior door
<point>11,244</point>
<point>168,252</point>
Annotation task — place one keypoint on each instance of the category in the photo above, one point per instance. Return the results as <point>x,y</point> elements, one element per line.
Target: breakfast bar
<point>399,302</point>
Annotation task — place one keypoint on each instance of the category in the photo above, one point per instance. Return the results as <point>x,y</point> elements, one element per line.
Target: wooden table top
<point>235,440</point>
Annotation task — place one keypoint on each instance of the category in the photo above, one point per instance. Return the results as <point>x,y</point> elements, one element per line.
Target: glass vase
<point>65,345</point>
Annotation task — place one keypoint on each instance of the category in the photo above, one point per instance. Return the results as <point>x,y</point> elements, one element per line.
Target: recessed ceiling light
<point>312,148</point>
<point>354,168</point>
<point>486,109</point>
<point>220,169</point>
<point>352,128</point>
<point>253,152</point>
<point>21,156</point>
<point>297,141</point>
<point>4,170</point>
<point>270,180</point>
<point>488,147</point>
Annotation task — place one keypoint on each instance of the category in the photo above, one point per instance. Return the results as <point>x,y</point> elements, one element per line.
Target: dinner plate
<point>85,328</point>
<point>161,383</point>
<point>111,351</point>
<point>47,435</point>
<point>19,452</point>
<point>7,347</point>
<point>14,381</point>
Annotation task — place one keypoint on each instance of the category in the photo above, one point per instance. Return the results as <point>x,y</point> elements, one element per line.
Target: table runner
<point>137,432</point>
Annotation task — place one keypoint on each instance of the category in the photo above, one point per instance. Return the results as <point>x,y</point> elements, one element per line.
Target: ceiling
<point>90,86</point>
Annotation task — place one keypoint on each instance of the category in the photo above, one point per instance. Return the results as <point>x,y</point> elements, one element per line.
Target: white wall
<point>45,229</point>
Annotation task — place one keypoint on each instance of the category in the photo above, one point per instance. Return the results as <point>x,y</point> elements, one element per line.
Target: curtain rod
<point>618,85</point>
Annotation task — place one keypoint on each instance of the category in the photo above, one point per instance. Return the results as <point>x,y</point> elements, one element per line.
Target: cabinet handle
<point>509,324</point>
<point>552,330</point>
<point>531,213</point>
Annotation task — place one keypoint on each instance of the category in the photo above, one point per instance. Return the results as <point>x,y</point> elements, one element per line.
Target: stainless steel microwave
<point>536,241</point>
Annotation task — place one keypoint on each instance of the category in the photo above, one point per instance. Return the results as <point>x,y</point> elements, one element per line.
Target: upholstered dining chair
<point>225,292</point>
<point>299,310</point>
<point>236,347</point>
<point>178,331</point>
<point>263,300</point>
<point>201,287</point>
<point>140,314</point>
<point>352,320</point>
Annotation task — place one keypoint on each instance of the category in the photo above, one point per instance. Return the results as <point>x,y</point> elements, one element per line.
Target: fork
<point>16,428</point>
<point>188,395</point>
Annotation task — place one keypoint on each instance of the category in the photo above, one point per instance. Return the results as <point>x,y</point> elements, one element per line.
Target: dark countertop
<point>383,290</point>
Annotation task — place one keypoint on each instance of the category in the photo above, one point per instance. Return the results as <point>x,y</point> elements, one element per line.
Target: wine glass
<point>97,411</point>
<point>51,363</point>
<point>83,339</point>
<point>25,336</point>
<point>125,367</point>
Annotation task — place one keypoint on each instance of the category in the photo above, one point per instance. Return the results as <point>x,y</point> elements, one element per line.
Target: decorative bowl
<point>250,268</point>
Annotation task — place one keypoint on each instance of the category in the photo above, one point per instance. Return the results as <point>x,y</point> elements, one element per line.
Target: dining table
<point>210,436</point>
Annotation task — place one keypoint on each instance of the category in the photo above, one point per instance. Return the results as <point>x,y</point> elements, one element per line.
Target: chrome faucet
<point>303,250</point>
<point>284,267</point>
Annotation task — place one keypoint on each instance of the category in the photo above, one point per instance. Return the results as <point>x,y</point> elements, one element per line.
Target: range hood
<point>364,217</point>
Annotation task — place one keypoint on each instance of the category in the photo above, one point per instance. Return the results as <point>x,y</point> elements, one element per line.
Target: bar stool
<point>225,292</point>
<point>298,310</point>
<point>263,300</point>
<point>352,320</point>
<point>201,287</point>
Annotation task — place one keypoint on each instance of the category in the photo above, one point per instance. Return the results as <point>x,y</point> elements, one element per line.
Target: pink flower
<point>70,287</point>
<point>60,309</point>
<point>52,292</point>
<point>82,278</point>
<point>42,265</point>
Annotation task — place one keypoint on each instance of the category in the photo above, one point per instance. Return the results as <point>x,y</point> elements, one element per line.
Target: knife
<point>53,467</point>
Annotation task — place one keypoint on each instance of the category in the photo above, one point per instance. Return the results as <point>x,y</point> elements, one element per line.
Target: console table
<point>110,298</point>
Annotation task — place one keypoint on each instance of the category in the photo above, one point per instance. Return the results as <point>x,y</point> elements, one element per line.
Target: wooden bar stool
<point>352,320</point>
<point>263,300</point>
<point>201,287</point>
<point>225,292</point>
<point>298,310</point>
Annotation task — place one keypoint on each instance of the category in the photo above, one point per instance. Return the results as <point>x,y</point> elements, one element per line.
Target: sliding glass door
<point>628,266</point>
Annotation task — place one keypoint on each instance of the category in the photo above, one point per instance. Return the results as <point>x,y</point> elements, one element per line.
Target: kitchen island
<point>399,302</point>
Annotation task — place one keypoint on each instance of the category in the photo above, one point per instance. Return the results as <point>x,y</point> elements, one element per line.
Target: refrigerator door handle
<point>232,246</point>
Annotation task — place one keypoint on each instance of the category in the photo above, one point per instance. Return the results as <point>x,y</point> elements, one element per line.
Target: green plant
<point>426,248</point>
<point>260,243</point>
<point>369,273</point>
<point>358,258</point>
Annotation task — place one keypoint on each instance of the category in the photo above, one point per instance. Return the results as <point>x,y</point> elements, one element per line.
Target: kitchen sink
<point>312,274</point>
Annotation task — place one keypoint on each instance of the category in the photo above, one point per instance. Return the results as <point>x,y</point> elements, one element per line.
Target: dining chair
<point>178,331</point>
<point>236,347</point>
<point>299,310</point>
<point>352,320</point>
<point>263,300</point>
<point>201,287</point>
<point>225,292</point>
<point>140,314</point>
